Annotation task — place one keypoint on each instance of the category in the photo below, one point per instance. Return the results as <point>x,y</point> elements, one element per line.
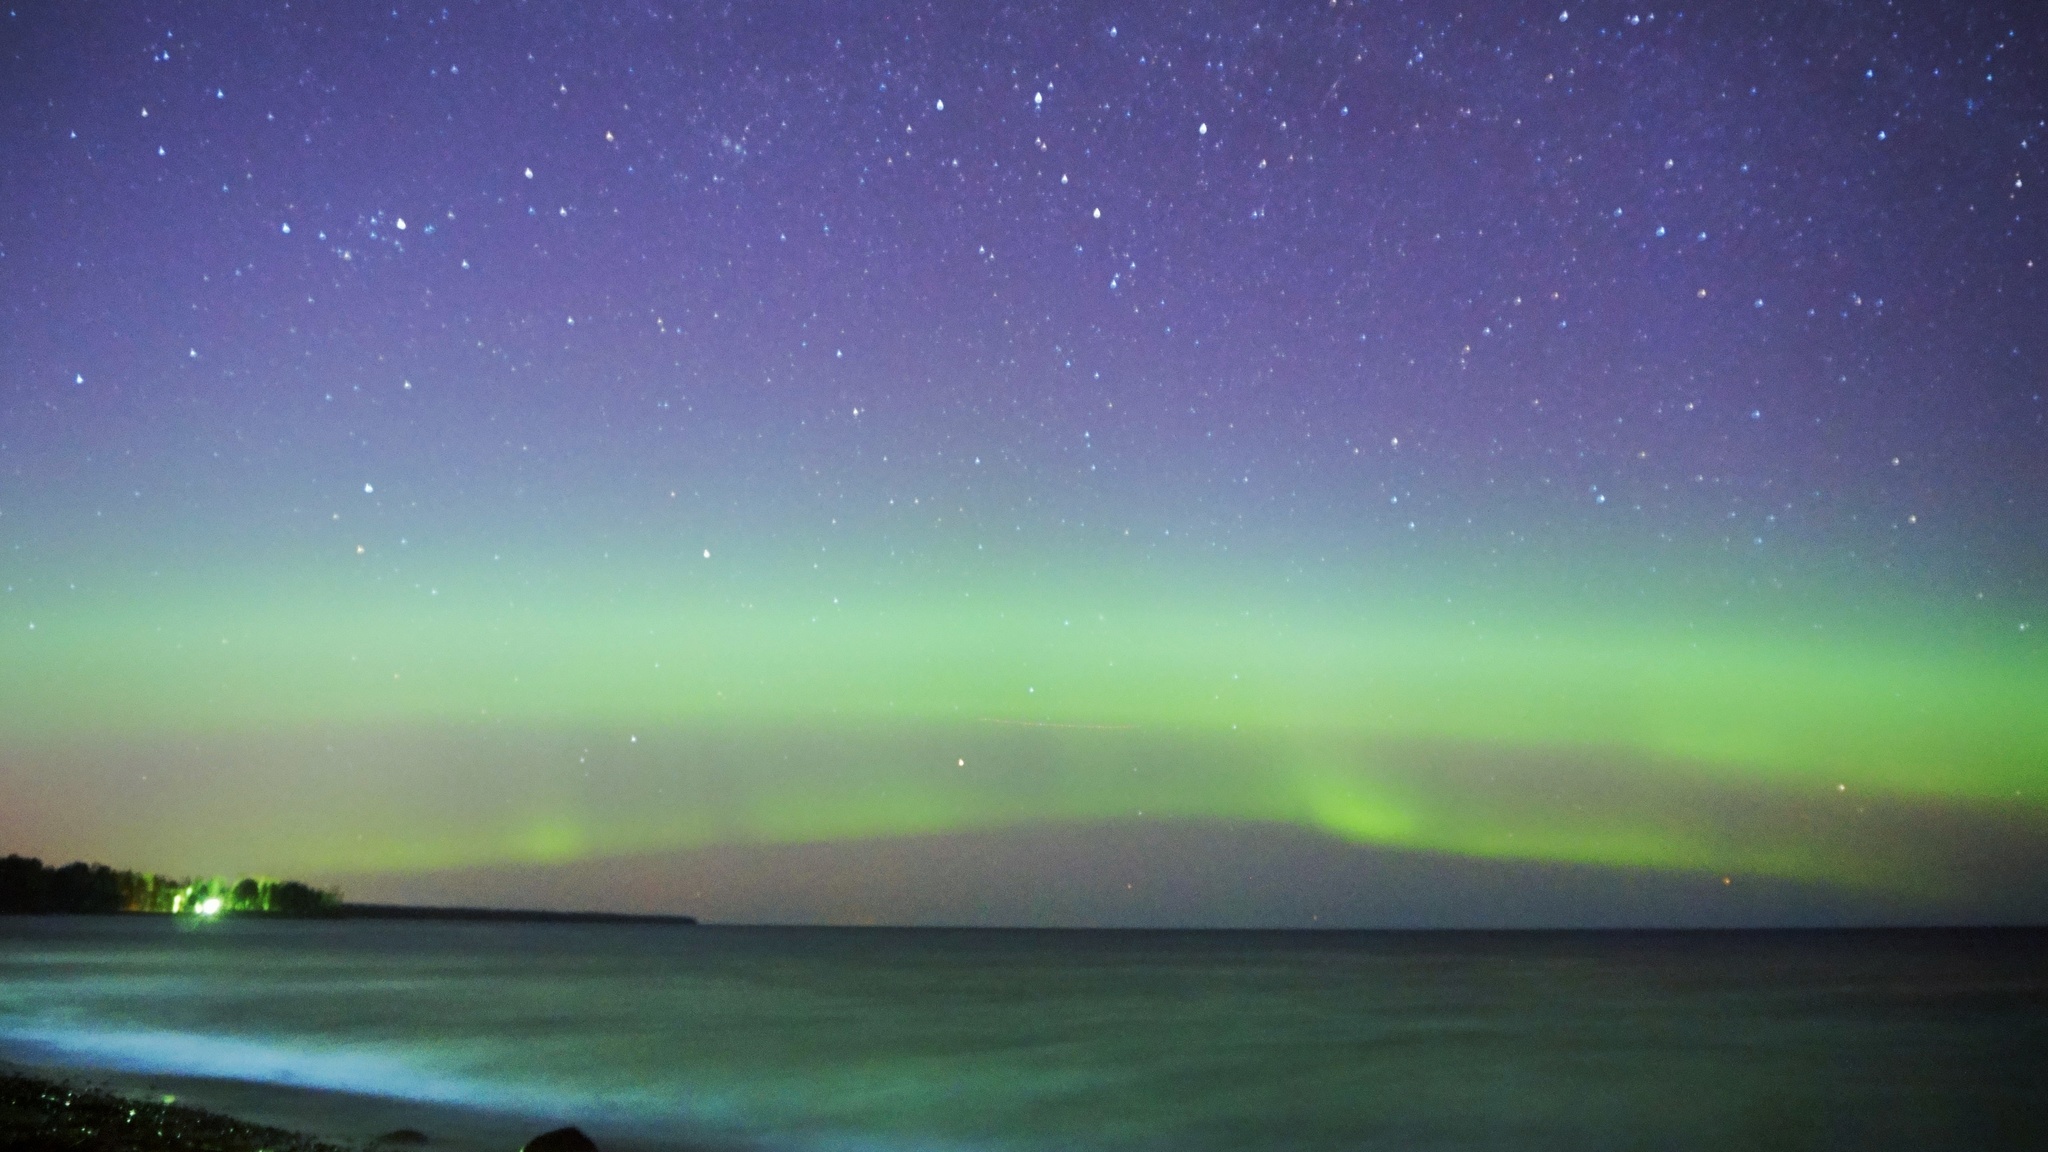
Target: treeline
<point>29,887</point>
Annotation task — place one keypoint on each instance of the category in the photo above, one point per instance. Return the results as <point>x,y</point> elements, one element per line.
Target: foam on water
<point>300,1063</point>
<point>396,1074</point>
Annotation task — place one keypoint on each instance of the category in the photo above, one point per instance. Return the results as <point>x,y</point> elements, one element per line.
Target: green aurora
<point>1541,457</point>
<point>313,725</point>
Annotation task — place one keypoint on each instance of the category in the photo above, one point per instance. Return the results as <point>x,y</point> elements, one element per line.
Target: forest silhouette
<point>30,887</point>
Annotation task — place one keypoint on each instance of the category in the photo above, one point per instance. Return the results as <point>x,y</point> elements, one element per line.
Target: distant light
<point>401,223</point>
<point>941,104</point>
<point>1203,130</point>
<point>208,907</point>
<point>707,553</point>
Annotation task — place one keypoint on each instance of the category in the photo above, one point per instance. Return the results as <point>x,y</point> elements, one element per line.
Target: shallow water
<point>897,1039</point>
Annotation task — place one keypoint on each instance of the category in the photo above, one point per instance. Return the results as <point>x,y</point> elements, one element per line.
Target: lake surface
<point>806,1038</point>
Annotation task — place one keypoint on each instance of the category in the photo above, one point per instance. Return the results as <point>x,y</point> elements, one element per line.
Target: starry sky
<point>485,438</point>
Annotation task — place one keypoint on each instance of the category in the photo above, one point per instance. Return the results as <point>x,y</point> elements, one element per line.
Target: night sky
<point>490,440</point>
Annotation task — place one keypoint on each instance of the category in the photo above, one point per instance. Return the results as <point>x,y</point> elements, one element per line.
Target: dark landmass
<point>41,1116</point>
<point>532,916</point>
<point>28,887</point>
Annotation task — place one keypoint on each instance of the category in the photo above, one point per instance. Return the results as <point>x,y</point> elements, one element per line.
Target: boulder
<point>561,1140</point>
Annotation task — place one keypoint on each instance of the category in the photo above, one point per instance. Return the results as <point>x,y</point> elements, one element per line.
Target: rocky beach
<point>43,1115</point>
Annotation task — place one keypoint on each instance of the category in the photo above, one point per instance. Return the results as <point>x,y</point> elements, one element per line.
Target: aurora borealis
<point>514,437</point>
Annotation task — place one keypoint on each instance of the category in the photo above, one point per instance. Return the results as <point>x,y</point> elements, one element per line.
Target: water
<point>882,1039</point>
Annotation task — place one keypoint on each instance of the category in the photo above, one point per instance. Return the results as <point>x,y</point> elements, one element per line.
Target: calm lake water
<point>972,1039</point>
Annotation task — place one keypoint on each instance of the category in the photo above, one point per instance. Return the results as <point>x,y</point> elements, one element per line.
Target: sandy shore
<point>57,1108</point>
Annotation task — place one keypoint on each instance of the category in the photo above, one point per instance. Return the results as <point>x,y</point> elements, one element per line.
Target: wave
<point>364,1070</point>
<point>375,1070</point>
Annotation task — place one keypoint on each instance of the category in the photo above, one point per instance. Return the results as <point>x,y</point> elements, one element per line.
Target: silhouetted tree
<point>82,887</point>
<point>24,886</point>
<point>27,887</point>
<point>148,892</point>
<point>292,898</point>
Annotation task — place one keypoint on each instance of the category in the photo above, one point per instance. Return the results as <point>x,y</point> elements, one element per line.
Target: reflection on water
<point>1023,1040</point>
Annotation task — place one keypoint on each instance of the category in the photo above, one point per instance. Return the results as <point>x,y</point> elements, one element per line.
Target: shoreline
<point>41,1112</point>
<point>45,1106</point>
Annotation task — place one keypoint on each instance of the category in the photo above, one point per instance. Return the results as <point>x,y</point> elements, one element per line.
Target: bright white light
<point>208,907</point>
